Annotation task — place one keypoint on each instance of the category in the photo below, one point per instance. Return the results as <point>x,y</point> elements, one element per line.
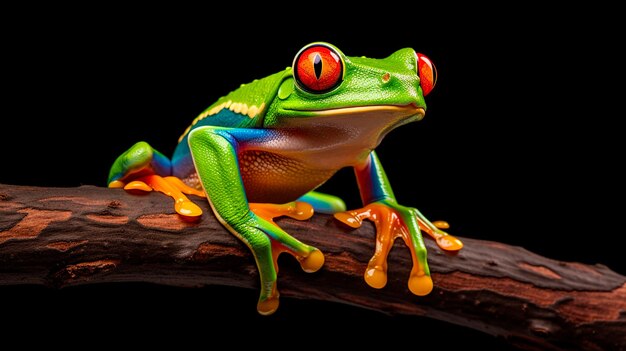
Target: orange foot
<point>310,258</point>
<point>301,211</point>
<point>170,186</point>
<point>393,221</point>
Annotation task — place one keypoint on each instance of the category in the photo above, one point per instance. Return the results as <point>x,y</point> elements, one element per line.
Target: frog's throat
<point>406,110</point>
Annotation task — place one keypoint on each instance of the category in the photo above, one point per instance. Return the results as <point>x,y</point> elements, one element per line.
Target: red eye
<point>318,68</point>
<point>427,72</point>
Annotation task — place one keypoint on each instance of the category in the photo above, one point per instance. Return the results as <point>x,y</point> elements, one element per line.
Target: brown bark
<point>69,236</point>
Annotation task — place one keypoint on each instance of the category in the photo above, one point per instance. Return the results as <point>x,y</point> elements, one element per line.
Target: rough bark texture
<point>68,236</point>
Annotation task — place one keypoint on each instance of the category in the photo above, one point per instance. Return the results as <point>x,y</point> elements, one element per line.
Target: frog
<point>261,152</point>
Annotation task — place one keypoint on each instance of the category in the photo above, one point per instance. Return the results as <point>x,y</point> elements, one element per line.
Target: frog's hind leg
<point>324,203</point>
<point>140,160</point>
<point>142,168</point>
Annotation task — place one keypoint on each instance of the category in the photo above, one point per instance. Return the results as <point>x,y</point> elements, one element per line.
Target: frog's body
<point>277,139</point>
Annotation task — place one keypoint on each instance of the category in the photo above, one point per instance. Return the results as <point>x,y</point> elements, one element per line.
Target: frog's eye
<point>427,72</point>
<point>318,68</point>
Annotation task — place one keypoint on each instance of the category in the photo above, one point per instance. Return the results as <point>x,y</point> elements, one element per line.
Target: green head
<point>323,82</point>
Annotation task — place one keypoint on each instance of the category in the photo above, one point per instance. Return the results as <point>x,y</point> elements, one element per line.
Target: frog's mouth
<point>369,124</point>
<point>400,111</point>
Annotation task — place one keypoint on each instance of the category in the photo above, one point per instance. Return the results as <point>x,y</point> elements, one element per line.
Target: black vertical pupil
<point>317,65</point>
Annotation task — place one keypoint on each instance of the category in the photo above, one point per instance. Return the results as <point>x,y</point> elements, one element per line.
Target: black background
<point>521,142</point>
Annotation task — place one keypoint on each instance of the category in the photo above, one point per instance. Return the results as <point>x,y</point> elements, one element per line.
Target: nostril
<point>386,77</point>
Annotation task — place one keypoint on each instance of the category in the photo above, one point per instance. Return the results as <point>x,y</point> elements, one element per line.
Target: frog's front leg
<point>214,152</point>
<point>393,220</point>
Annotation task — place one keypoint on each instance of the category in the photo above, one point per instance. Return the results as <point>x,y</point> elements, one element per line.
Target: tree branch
<point>69,236</point>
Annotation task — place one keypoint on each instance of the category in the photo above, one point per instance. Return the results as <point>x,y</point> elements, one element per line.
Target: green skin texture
<point>291,112</point>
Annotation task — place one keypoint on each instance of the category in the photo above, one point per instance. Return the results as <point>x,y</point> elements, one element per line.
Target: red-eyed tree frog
<point>261,151</point>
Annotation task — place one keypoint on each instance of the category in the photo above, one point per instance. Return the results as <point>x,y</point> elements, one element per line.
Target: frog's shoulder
<point>243,107</point>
